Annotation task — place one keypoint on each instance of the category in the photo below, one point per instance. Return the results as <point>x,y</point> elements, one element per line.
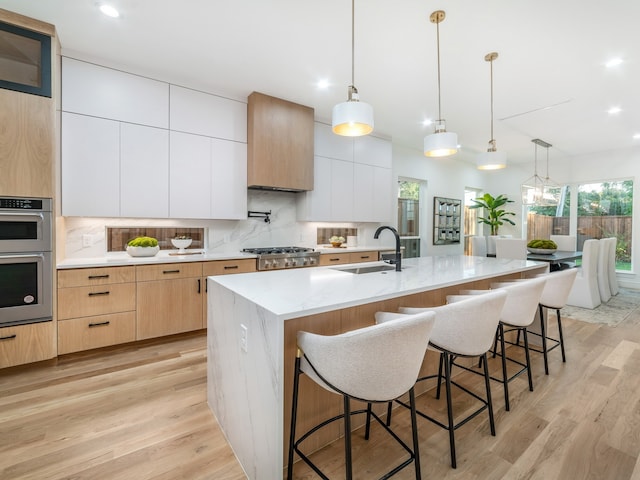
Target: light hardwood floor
<point>140,413</point>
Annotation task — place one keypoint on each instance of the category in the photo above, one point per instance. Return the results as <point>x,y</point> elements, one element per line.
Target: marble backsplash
<point>85,237</point>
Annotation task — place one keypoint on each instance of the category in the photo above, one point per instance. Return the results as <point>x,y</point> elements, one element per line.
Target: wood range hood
<point>279,144</point>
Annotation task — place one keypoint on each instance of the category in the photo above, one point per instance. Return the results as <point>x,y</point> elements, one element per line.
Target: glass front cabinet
<point>446,220</point>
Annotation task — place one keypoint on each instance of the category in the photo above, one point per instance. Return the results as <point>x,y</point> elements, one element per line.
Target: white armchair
<point>603,270</point>
<point>479,246</point>
<point>515,248</point>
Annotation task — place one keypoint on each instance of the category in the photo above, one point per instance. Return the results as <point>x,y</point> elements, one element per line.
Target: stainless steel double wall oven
<point>26,268</point>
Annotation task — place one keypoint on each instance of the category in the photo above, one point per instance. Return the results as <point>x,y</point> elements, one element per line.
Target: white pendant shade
<point>491,160</point>
<point>440,144</point>
<point>352,118</point>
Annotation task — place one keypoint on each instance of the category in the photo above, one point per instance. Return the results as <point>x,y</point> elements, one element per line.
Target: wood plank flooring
<point>139,412</point>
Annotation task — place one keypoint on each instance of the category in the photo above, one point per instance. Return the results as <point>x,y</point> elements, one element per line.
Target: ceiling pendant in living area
<point>536,190</point>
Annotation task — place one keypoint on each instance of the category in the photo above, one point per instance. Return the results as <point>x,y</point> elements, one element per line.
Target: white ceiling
<point>549,80</point>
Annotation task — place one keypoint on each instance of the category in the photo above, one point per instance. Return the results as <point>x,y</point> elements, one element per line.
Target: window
<point>603,209</point>
<point>409,217</point>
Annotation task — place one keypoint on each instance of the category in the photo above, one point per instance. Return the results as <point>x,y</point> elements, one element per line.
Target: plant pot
<point>143,251</point>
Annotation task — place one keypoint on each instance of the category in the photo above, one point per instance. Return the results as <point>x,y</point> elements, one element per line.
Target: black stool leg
<point>439,376</point>
<point>527,357</point>
<point>414,429</point>
<point>294,413</point>
<point>505,379</point>
<point>366,431</point>
<point>389,405</point>
<point>487,383</point>
<point>447,379</point>
<point>543,332</point>
<point>564,358</point>
<point>347,439</point>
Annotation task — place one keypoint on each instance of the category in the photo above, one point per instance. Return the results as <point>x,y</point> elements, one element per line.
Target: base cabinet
<point>350,257</point>
<point>169,299</point>
<point>27,343</point>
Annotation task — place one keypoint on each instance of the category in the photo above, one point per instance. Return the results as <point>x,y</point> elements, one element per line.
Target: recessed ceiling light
<point>614,110</point>
<point>427,122</point>
<point>109,11</point>
<point>636,136</point>
<point>323,84</point>
<point>614,62</point>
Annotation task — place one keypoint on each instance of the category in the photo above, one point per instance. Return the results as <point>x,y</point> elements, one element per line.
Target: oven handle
<point>23,214</point>
<point>26,255</point>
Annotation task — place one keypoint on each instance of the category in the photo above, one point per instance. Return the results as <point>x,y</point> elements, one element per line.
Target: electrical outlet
<point>87,240</point>
<point>243,337</point>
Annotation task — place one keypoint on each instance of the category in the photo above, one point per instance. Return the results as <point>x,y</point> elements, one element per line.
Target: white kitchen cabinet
<point>228,179</point>
<point>90,166</point>
<point>190,176</point>
<point>208,177</point>
<point>201,113</point>
<point>353,180</point>
<point>144,171</point>
<point>372,150</point>
<point>98,91</point>
<point>328,144</point>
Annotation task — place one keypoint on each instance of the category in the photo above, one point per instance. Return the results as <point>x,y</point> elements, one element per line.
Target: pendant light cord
<point>491,69</point>
<point>438,53</point>
<point>353,36</point>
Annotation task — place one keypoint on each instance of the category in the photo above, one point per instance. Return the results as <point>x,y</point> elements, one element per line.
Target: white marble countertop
<point>306,291</point>
<point>114,259</point>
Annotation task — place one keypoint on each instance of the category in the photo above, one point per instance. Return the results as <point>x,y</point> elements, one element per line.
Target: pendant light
<point>491,159</point>
<point>534,190</point>
<point>440,143</point>
<point>352,118</point>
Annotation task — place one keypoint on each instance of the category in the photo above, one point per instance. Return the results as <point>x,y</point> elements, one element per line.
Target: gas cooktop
<point>275,258</point>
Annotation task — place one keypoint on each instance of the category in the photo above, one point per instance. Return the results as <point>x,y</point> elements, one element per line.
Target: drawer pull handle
<point>8,337</point>
<point>365,256</point>
<point>198,285</point>
<point>171,271</point>
<point>96,294</point>
<point>94,277</point>
<point>334,259</point>
<point>230,267</point>
<point>99,324</point>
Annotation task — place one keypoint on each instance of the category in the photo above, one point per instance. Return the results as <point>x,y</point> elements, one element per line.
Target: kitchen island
<point>252,323</point>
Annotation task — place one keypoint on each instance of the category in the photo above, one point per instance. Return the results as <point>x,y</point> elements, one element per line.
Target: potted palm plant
<point>496,215</point>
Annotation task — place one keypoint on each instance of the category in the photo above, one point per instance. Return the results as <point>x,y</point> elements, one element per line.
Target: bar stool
<point>518,313</point>
<point>462,329</point>
<point>554,296</point>
<point>373,364</point>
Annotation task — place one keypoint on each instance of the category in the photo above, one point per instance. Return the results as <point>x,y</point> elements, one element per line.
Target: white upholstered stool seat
<point>584,292</point>
<point>462,329</point>
<point>373,364</point>
<point>518,313</point>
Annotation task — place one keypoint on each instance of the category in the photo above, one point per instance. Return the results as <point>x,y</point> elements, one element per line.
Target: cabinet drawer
<point>164,271</point>
<point>83,277</point>
<point>222,267</point>
<point>94,332</point>
<point>27,343</point>
<point>371,256</point>
<point>98,300</point>
<point>334,258</point>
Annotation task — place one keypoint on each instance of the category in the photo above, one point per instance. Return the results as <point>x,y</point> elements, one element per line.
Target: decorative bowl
<point>336,244</point>
<point>143,251</point>
<point>181,243</point>
<point>542,251</point>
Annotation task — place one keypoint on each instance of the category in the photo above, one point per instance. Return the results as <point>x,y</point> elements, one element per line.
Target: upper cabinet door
<point>107,93</point>
<point>144,171</point>
<point>205,114</point>
<point>228,180</point>
<point>90,166</point>
<point>328,144</point>
<point>190,176</point>
<point>373,151</point>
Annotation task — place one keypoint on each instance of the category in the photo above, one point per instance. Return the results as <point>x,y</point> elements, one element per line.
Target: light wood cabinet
<point>169,299</point>
<point>280,143</point>
<point>27,343</point>
<point>348,257</point>
<point>96,307</point>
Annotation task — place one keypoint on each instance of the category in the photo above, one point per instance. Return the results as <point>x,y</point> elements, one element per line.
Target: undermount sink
<point>369,269</point>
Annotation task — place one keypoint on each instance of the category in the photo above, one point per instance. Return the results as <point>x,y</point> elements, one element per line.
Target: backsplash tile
<point>118,237</point>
